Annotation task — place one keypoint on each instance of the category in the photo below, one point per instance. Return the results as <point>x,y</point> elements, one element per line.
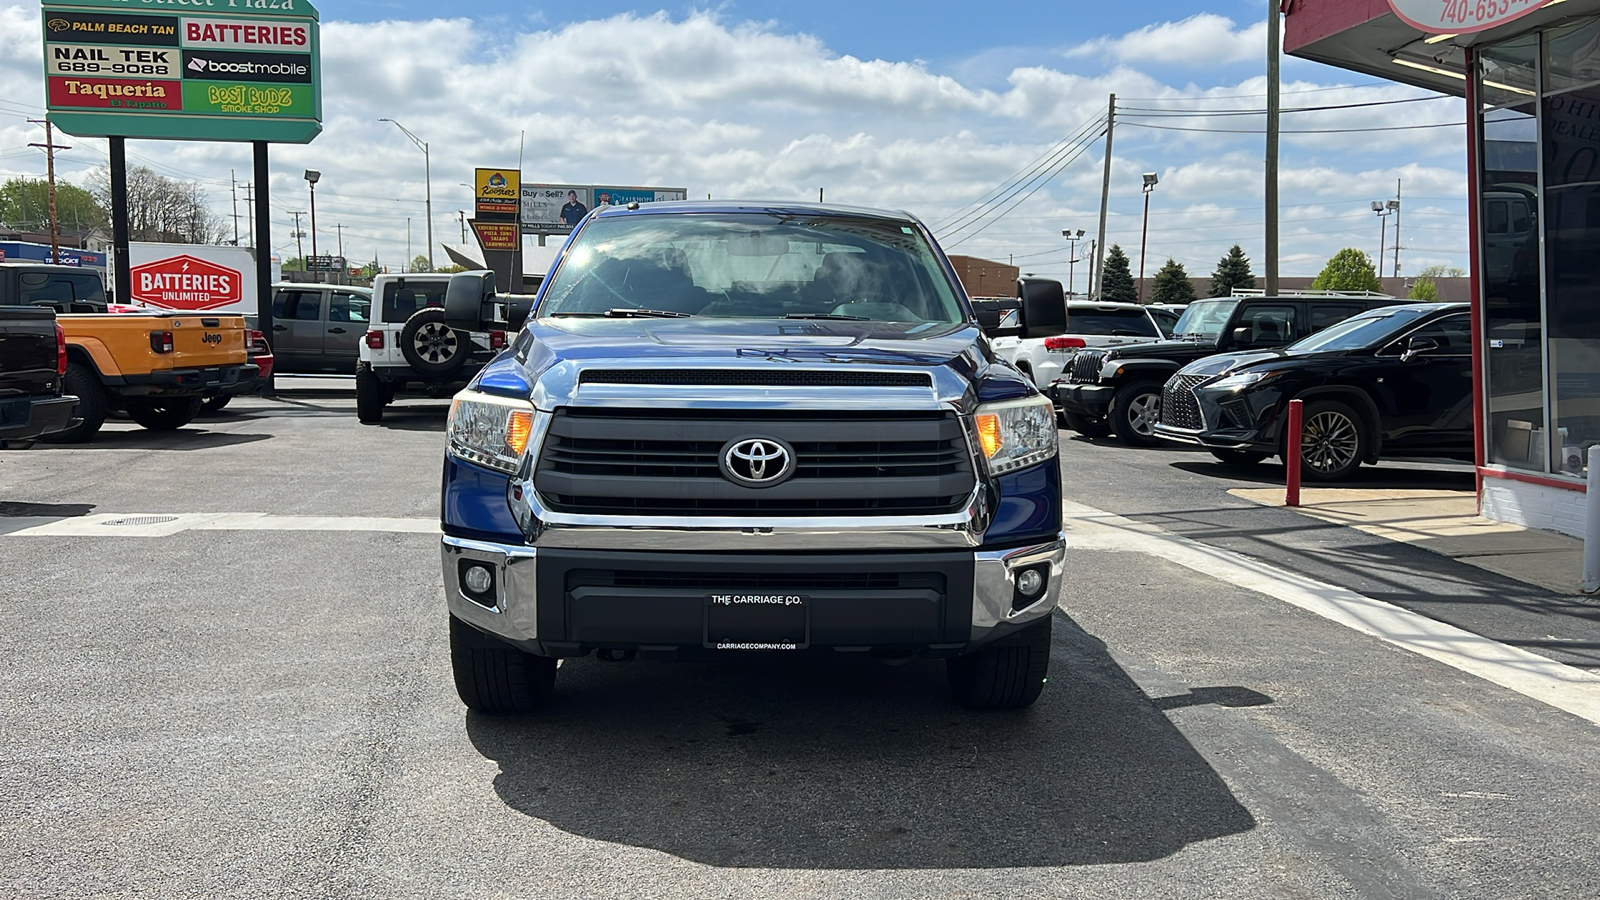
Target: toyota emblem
<point>757,462</point>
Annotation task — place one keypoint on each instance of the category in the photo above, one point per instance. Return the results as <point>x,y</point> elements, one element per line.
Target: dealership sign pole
<point>184,70</point>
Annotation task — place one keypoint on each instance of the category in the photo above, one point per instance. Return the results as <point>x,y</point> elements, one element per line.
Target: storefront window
<point>1513,323</point>
<point>1571,136</point>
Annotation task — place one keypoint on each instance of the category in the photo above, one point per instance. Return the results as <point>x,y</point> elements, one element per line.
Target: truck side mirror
<point>1241,336</point>
<point>998,316</point>
<point>1044,307</point>
<point>469,300</point>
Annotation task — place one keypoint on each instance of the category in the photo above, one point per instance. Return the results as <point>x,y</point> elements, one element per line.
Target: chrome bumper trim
<point>994,584</point>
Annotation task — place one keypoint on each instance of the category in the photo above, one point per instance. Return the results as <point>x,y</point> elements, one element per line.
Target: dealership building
<point>1529,73</point>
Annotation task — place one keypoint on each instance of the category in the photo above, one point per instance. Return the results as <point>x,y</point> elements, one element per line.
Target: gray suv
<point>318,327</point>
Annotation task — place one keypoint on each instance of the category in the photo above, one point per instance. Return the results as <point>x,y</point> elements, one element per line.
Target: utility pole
<point>249,211</point>
<point>1105,196</point>
<point>233,190</point>
<point>299,246</point>
<point>407,266</point>
<point>50,147</point>
<point>1396,272</point>
<point>1271,186</point>
<point>340,228</point>
<point>463,214</point>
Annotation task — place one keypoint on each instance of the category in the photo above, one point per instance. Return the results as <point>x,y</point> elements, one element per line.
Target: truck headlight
<point>1017,433</point>
<point>490,431</point>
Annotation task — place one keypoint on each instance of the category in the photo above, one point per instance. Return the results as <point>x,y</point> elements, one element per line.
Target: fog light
<point>478,579</point>
<point>1030,582</point>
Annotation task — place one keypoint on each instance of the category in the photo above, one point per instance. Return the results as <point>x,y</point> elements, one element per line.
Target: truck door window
<point>343,307</point>
<point>1270,325</point>
<point>304,306</point>
<point>1324,314</point>
<point>65,292</point>
<point>1499,217</point>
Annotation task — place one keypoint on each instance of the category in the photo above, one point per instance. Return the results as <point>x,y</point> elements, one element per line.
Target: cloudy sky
<point>933,107</point>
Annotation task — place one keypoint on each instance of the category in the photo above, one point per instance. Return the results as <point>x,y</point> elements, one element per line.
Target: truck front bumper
<point>567,602</point>
<point>1090,400</point>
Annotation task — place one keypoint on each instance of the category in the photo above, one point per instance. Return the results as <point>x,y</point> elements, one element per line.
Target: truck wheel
<point>494,678</point>
<point>1240,457</point>
<point>214,404</point>
<point>164,414</point>
<point>432,347</point>
<point>1094,428</point>
<point>1135,409</point>
<point>370,397</point>
<point>1333,441</point>
<point>1008,674</point>
<point>85,383</point>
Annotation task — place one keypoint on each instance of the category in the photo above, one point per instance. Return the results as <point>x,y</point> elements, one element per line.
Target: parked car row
<point>1380,378</point>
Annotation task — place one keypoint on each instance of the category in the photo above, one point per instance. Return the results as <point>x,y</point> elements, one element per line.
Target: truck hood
<point>961,361</point>
<point>1163,350</point>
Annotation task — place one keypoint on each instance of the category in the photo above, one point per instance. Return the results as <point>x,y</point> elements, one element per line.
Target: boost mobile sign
<point>225,70</point>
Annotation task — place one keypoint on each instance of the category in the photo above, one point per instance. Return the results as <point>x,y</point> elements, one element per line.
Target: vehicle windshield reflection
<point>1360,332</point>
<point>1204,319</point>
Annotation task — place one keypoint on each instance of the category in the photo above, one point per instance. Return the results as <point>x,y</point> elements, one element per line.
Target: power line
<point>954,220</point>
<point>1297,130</point>
<point>1147,112</point>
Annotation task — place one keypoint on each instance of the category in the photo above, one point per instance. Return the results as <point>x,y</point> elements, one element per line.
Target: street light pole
<point>1383,232</point>
<point>1150,180</point>
<point>427,182</point>
<point>1072,255</point>
<point>311,178</point>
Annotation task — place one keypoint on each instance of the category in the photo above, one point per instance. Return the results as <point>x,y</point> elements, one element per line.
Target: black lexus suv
<point>1390,382</point>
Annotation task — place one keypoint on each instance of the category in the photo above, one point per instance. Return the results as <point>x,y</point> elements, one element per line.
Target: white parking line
<point>168,524</point>
<point>1556,684</point>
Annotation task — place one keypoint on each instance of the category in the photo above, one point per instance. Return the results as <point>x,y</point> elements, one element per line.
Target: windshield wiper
<point>831,316</point>
<point>625,312</point>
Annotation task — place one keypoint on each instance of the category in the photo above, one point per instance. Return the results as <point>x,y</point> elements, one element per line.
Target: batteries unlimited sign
<point>227,70</point>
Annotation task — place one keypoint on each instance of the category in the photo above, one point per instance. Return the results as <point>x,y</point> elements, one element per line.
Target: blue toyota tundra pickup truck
<point>736,427</point>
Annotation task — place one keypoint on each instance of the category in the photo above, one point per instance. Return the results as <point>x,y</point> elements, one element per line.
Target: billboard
<point>184,70</point>
<point>498,192</point>
<point>556,208</point>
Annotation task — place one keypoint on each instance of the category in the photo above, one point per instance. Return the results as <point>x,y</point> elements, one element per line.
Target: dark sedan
<point>1391,382</point>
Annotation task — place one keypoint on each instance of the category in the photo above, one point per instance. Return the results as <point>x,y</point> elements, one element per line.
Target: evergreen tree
<point>1116,285</point>
<point>1348,270</point>
<point>1232,271</point>
<point>1172,284</point>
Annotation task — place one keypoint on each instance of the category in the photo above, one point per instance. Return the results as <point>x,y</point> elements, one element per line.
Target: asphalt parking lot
<point>236,706</point>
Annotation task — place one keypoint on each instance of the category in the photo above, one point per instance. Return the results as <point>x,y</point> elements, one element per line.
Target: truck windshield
<point>1359,332</point>
<point>1204,319</point>
<point>752,265</point>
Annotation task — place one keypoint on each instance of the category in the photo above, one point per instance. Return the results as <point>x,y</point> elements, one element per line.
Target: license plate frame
<point>757,620</point>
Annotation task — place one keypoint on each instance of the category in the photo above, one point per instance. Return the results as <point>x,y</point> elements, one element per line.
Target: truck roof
<point>772,207</point>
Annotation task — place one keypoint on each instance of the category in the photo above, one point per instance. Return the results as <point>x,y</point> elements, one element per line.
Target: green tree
<point>420,264</point>
<point>1232,271</point>
<point>1424,289</point>
<point>25,203</point>
<point>1172,284</point>
<point>450,269</point>
<point>295,264</point>
<point>1348,270</point>
<point>1116,285</point>
<point>1443,271</point>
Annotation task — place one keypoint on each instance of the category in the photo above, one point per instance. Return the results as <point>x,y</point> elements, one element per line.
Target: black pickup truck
<point>1119,390</point>
<point>33,357</point>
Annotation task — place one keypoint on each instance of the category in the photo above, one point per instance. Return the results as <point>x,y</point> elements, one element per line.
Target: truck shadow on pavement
<point>187,438</point>
<point>777,763</point>
<point>1380,477</point>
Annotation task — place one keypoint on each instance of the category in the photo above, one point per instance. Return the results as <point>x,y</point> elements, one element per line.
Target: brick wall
<point>1534,506</point>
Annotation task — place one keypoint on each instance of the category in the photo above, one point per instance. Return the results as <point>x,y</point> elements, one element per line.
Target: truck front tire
<point>1134,411</point>
<point>91,409</point>
<point>494,678</point>
<point>1008,674</point>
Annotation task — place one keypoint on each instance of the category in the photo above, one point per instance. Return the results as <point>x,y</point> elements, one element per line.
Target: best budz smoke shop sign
<point>221,70</point>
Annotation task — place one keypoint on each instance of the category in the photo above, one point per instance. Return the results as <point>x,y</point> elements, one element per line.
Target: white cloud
<point>1200,41</point>
<point>737,109</point>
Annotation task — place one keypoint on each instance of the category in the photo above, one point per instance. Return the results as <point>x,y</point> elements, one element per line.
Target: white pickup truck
<point>1089,325</point>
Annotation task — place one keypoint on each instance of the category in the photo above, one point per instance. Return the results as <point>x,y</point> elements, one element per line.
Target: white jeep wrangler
<point>408,349</point>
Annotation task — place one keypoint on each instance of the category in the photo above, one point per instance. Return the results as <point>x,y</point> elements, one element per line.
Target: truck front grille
<point>1179,408</point>
<point>667,462</point>
<point>755,377</point>
<point>1086,366</point>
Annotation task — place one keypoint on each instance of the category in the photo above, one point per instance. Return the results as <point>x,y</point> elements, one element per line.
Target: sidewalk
<point>1445,522</point>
